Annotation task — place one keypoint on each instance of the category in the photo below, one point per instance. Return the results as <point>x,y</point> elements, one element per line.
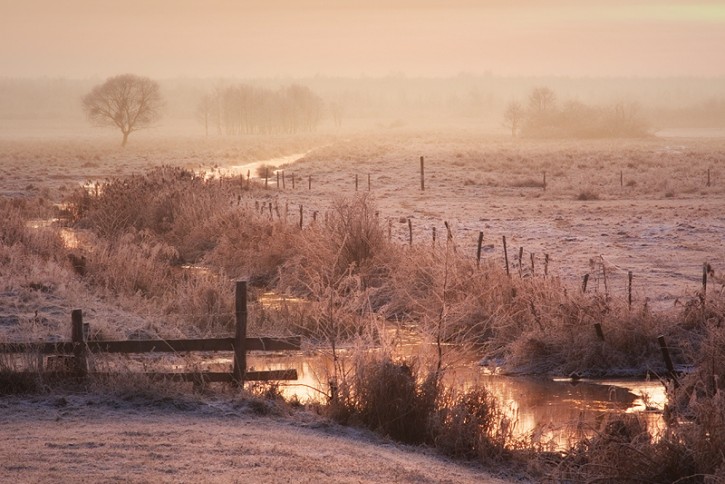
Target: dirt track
<point>87,438</point>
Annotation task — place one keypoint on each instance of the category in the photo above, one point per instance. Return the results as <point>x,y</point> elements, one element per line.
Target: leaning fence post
<point>668,360</point>
<point>79,344</point>
<point>240,335</point>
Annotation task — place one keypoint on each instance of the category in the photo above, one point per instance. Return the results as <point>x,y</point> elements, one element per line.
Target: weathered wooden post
<point>434,237</point>
<point>478,251</point>
<point>629,289</point>
<point>704,291</point>
<point>309,182</point>
<point>277,179</point>
<point>532,265</point>
<point>240,335</point>
<point>521,262</point>
<point>506,256</point>
<point>410,232</point>
<point>546,265</point>
<point>300,216</point>
<point>390,229</point>
<point>422,175</point>
<point>543,185</point>
<point>283,183</point>
<point>621,178</point>
<point>708,177</point>
<point>585,282</point>
<point>79,344</point>
<point>598,330</point>
<point>368,181</point>
<point>666,357</point>
<point>356,182</point>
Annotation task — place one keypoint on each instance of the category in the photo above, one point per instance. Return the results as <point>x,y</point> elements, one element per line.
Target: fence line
<point>79,347</point>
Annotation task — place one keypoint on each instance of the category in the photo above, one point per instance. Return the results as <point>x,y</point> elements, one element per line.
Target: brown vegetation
<point>161,246</point>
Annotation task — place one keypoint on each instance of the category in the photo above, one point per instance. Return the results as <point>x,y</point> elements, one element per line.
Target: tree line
<point>544,117</point>
<point>244,109</point>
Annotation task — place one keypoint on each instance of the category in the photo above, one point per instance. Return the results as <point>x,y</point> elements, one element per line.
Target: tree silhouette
<point>513,117</point>
<point>127,102</point>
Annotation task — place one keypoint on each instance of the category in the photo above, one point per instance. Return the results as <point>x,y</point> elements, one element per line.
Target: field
<point>354,251</point>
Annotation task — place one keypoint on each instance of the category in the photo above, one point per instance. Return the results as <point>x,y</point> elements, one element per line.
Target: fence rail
<point>240,344</point>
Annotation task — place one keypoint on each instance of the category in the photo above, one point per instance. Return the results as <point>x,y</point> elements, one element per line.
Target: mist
<point>399,63</point>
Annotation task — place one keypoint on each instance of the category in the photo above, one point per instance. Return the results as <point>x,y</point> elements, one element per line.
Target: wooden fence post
<point>585,282</point>
<point>629,289</point>
<point>598,330</point>
<point>79,344</point>
<point>422,175</point>
<point>666,357</point>
<point>410,232</point>
<point>506,256</point>
<point>478,251</point>
<point>356,182</point>
<point>240,335</point>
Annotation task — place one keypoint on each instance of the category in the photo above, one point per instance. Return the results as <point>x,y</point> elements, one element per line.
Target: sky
<point>301,38</point>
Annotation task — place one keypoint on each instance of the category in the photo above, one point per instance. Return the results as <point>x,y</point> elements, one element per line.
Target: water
<point>552,413</point>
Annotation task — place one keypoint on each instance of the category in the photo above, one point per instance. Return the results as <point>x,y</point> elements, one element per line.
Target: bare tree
<point>513,116</point>
<point>541,100</point>
<point>128,102</point>
<point>206,111</point>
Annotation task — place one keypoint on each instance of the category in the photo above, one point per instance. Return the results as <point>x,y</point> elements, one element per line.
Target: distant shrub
<point>265,171</point>
<point>586,195</point>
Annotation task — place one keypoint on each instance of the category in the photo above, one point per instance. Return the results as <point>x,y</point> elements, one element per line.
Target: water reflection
<point>553,414</point>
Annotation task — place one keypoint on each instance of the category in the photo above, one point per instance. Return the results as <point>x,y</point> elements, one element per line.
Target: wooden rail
<point>80,347</point>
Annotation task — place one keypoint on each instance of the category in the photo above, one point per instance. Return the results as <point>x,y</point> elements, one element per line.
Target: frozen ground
<point>86,438</point>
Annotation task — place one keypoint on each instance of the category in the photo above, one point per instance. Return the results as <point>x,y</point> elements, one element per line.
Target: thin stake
<point>309,183</point>
<point>506,256</point>
<point>368,181</point>
<point>584,284</point>
<point>300,216</point>
<point>629,289</point>
<point>621,178</point>
<point>434,237</point>
<point>598,330</point>
<point>666,357</point>
<point>355,181</point>
<point>521,261</point>
<point>422,175</point>
<point>410,232</point>
<point>283,183</point>
<point>546,265</point>
<point>277,179</point>
<point>532,264</point>
<point>293,181</point>
<point>266,176</point>
<point>544,185</point>
<point>708,177</point>
<point>478,251</point>
<point>390,229</point>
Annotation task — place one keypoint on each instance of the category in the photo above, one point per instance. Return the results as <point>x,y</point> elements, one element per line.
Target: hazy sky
<point>240,38</point>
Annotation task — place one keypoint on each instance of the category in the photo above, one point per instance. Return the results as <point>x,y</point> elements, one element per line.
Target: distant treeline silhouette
<point>245,109</point>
